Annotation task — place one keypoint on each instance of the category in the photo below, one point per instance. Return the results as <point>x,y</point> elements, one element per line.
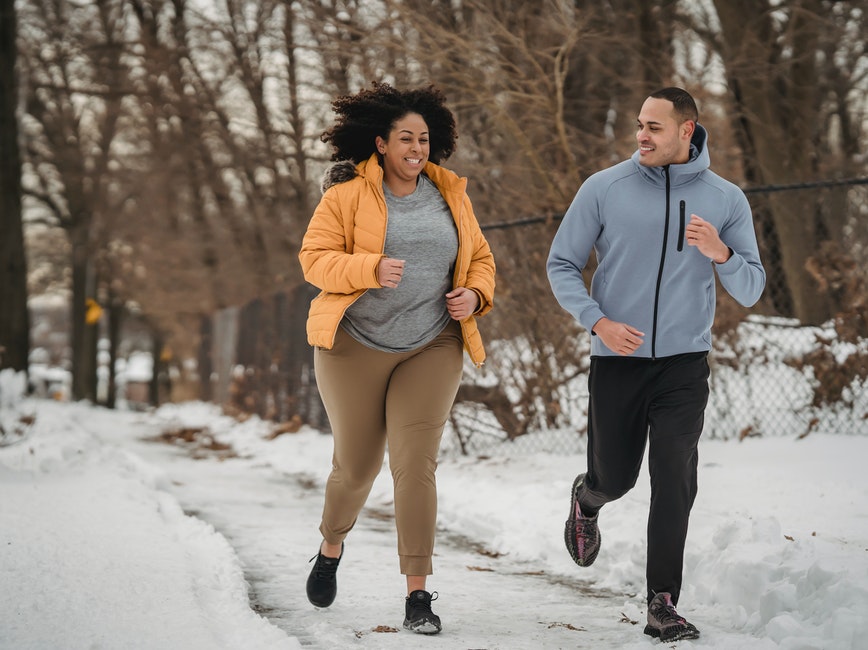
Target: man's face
<point>662,140</point>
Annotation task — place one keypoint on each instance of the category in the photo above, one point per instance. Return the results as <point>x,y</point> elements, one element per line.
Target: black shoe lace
<point>423,606</point>
<point>667,615</point>
<point>325,567</point>
<point>587,528</point>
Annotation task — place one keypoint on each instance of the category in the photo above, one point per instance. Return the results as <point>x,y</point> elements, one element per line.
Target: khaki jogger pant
<point>372,397</point>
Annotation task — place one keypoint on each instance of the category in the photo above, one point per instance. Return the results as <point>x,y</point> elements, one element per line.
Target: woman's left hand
<point>461,302</point>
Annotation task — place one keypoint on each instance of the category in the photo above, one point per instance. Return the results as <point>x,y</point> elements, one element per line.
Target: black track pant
<point>663,401</point>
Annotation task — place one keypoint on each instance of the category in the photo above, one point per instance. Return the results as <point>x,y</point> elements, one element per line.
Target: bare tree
<point>73,92</point>
<point>795,72</point>
<point>15,323</point>
<point>177,146</point>
<point>229,87</point>
<point>546,94</point>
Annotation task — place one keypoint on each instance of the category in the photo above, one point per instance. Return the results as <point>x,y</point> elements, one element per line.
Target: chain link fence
<point>775,375</point>
<point>772,375</point>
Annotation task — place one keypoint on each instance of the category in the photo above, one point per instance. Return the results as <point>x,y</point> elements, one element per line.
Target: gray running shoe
<point>581,534</point>
<point>665,623</point>
<point>418,615</point>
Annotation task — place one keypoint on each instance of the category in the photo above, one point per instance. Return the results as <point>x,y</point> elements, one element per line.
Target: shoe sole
<point>426,627</point>
<point>570,530</point>
<point>321,605</point>
<point>326,602</point>
<point>678,634</point>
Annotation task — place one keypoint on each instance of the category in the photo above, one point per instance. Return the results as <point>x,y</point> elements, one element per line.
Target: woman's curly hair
<point>373,112</point>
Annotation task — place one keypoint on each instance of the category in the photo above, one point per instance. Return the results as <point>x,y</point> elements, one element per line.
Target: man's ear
<point>687,129</point>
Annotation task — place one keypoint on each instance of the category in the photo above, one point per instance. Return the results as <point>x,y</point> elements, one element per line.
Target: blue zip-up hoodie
<point>647,276</point>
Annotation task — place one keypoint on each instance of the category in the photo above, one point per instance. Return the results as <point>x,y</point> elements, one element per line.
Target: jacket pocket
<point>682,208</point>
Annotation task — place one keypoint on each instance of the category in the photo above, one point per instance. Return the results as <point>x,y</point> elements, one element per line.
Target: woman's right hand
<point>389,272</point>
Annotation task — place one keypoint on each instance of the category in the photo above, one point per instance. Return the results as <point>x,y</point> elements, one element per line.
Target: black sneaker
<point>665,623</point>
<point>581,533</point>
<point>322,584</point>
<point>418,615</point>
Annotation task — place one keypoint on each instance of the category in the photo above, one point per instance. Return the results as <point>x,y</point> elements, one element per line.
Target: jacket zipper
<point>457,274</point>
<point>660,270</point>
<point>681,224</point>
<point>457,217</point>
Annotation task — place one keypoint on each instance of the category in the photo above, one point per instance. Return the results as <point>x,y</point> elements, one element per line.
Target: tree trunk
<point>205,364</point>
<point>297,359</point>
<point>159,388</point>
<point>774,84</point>
<point>115,316</point>
<point>84,334</point>
<point>15,322</point>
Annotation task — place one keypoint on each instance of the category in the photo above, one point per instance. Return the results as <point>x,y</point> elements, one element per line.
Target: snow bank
<point>95,554</point>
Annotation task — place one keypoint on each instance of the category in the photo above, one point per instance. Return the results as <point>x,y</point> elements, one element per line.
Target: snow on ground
<point>96,555</point>
<point>96,550</point>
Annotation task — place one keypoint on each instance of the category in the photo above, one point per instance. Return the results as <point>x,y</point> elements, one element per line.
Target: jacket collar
<point>681,173</point>
<point>370,170</point>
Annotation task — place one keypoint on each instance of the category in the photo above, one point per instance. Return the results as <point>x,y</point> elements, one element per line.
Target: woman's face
<point>405,151</point>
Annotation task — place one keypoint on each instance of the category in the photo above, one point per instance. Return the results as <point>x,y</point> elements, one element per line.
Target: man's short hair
<point>685,106</point>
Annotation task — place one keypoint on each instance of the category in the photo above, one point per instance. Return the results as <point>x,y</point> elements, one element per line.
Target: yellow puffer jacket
<point>346,237</point>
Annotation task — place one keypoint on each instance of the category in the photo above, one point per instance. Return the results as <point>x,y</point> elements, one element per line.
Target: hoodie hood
<point>680,173</point>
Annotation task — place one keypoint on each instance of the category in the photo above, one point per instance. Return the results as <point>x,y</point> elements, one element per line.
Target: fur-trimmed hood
<point>339,172</point>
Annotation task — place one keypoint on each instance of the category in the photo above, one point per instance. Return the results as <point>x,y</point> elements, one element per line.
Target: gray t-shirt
<point>421,232</point>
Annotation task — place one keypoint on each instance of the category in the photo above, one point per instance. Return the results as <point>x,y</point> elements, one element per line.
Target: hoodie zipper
<point>660,270</point>
<point>682,208</point>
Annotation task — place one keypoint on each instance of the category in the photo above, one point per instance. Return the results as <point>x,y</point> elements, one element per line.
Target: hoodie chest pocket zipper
<point>682,208</point>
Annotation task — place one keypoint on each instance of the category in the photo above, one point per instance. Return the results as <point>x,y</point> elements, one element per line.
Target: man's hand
<point>618,337</point>
<point>704,236</point>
